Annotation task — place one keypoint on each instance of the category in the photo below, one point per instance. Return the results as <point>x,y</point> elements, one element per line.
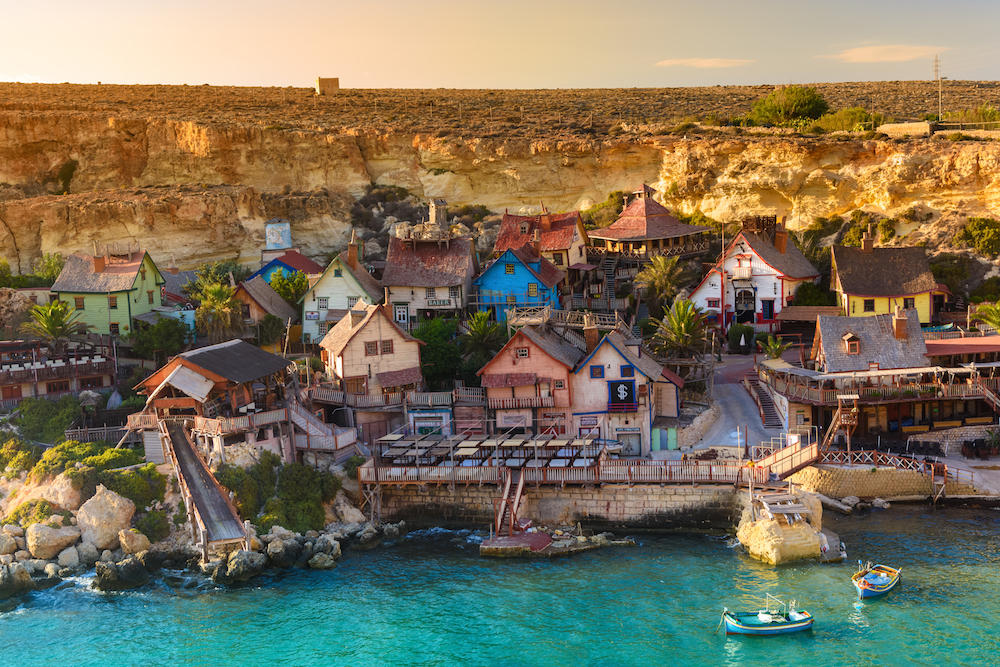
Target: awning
<point>187,381</point>
<point>495,380</point>
<point>400,378</point>
<point>583,267</point>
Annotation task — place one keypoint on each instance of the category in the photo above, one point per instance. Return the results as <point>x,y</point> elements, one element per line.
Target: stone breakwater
<point>872,482</point>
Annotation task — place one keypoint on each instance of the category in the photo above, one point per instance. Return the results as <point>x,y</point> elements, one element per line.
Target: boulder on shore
<point>14,580</point>
<point>121,576</point>
<point>60,492</point>
<point>69,557</point>
<point>8,544</point>
<point>322,561</point>
<point>132,541</point>
<point>240,566</point>
<point>346,510</point>
<point>283,553</point>
<point>45,542</point>
<point>101,517</point>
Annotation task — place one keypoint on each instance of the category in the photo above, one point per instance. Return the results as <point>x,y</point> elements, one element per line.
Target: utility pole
<point>937,75</point>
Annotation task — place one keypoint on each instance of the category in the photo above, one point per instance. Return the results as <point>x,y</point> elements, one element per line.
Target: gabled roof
<point>791,263</point>
<point>644,364</point>
<point>559,237</point>
<point>260,291</point>
<point>644,218</point>
<point>877,343</point>
<point>883,271</point>
<point>118,275</point>
<point>368,284</point>
<point>236,361</point>
<point>337,338</point>
<point>428,265</point>
<point>292,261</point>
<point>173,283</point>
<point>548,273</point>
<point>554,345</point>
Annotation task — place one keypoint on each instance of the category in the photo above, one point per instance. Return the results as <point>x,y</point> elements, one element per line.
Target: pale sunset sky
<point>509,44</point>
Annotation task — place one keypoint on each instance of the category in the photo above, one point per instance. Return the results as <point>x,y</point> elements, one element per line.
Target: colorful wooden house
<point>519,277</point>
<point>562,236</point>
<point>109,289</point>
<point>287,264</point>
<point>755,278</point>
<point>528,382</point>
<point>342,284</point>
<point>259,299</point>
<point>873,281</point>
<point>619,390</point>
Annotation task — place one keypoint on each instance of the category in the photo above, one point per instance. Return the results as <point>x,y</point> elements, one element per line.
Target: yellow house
<point>873,281</point>
<point>109,290</point>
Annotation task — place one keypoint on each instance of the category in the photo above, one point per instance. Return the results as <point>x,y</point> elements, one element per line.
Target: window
<point>113,302</point>
<point>352,301</point>
<point>323,327</point>
<point>597,371</point>
<point>532,289</point>
<point>149,295</point>
<point>509,269</point>
<point>430,293</point>
<point>628,371</point>
<point>91,383</point>
<point>142,273</point>
<point>714,303</point>
<point>453,292</point>
<point>869,305</point>
<point>34,298</point>
<point>853,347</point>
<point>113,327</point>
<point>337,273</point>
<point>246,311</point>
<point>371,348</point>
<point>306,338</point>
<point>557,259</point>
<point>323,302</point>
<point>387,347</point>
<point>908,303</point>
<point>559,384</point>
<point>524,228</point>
<point>78,302</point>
<point>522,353</point>
<point>511,300</point>
<point>53,387</point>
<point>354,385</point>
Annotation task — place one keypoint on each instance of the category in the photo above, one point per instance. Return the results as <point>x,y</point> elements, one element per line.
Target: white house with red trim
<point>755,278</point>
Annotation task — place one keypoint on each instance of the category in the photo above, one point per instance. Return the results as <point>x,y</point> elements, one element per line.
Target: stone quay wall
<point>866,482</point>
<point>646,507</point>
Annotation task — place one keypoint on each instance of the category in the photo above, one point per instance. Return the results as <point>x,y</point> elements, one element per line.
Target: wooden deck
<point>519,544</point>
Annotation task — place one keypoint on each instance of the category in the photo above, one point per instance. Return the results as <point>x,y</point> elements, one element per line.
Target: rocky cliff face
<point>199,190</point>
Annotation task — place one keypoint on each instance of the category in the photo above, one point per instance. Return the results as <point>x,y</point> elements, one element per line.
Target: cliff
<point>193,173</point>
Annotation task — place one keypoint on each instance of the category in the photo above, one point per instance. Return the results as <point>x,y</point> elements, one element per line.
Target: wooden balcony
<point>623,407</point>
<point>520,403</point>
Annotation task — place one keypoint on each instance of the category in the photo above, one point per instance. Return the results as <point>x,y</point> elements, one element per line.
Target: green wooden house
<point>109,290</point>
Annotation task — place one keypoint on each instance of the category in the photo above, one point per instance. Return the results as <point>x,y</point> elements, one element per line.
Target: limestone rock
<point>390,531</point>
<point>6,559</point>
<point>45,542</point>
<point>51,570</point>
<point>69,557</point>
<point>14,580</point>
<point>34,565</point>
<point>346,510</point>
<point>281,533</point>
<point>368,538</point>
<point>133,541</point>
<point>88,553</point>
<point>774,543</point>
<point>129,573</point>
<point>107,556</point>
<point>881,504</point>
<point>8,544</point>
<point>327,545</point>
<point>13,530</point>
<point>850,501</point>
<point>283,553</point>
<point>322,561</point>
<point>22,555</point>
<point>240,566</point>
<point>101,517</point>
<point>60,492</point>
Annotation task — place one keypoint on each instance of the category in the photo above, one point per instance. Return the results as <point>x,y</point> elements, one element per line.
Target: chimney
<point>536,244</point>
<point>868,241</point>
<point>590,332</point>
<point>545,220</point>
<point>352,251</point>
<point>357,315</point>
<point>899,324</point>
<point>781,237</point>
<point>99,262</point>
<point>173,266</point>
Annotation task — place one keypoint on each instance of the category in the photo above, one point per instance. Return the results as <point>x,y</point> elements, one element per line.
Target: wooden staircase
<point>988,395</point>
<point>846,419</point>
<point>769,414</point>
<point>506,521</point>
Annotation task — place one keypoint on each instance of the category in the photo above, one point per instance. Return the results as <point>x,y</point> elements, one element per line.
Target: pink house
<point>528,382</point>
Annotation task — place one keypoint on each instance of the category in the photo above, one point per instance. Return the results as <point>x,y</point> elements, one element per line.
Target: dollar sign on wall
<point>622,392</point>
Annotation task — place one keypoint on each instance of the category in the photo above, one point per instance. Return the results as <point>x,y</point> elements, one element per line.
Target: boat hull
<point>749,624</point>
<point>867,588</point>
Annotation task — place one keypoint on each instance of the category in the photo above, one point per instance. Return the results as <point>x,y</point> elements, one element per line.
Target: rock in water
<point>368,538</point>
<point>241,566</point>
<point>14,580</point>
<point>127,574</point>
<point>283,553</point>
<point>88,553</point>
<point>69,557</point>
<point>45,542</point>
<point>101,517</point>
<point>322,561</point>
<point>391,531</point>
<point>133,541</point>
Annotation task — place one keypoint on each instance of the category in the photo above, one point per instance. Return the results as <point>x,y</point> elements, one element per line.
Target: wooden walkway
<point>222,524</point>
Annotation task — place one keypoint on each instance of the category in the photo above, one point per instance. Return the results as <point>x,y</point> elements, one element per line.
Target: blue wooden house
<point>519,277</point>
<point>287,264</point>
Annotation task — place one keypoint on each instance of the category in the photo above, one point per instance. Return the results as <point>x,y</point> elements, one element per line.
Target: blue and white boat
<point>874,580</point>
<point>777,618</point>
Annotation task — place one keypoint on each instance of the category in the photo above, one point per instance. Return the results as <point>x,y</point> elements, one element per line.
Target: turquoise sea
<point>431,600</point>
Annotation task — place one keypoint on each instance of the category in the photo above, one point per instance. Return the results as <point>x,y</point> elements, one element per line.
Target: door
<point>372,431</point>
<point>402,314</point>
<point>767,309</point>
<point>630,444</point>
<point>744,306</point>
<point>13,391</point>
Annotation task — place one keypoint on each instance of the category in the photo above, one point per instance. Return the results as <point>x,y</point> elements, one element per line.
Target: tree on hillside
<point>215,273</point>
<point>681,333</point>
<point>56,324</point>
<point>662,278</point>
<point>49,266</point>
<point>788,104</point>
<point>290,287</point>
<point>220,315</point>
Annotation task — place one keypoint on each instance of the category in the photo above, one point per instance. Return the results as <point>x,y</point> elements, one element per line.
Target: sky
<point>498,44</point>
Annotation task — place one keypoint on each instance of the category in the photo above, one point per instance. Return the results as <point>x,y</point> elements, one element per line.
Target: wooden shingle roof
<point>643,219</point>
<point>883,271</point>
<point>260,291</point>
<point>428,265</point>
<point>559,236</point>
<point>878,345</point>
<point>118,275</point>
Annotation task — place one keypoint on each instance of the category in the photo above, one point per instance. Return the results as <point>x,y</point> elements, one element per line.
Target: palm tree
<point>681,333</point>
<point>483,340</point>
<point>774,348</point>
<point>662,279</point>
<point>220,316</point>
<point>989,314</point>
<point>57,324</point>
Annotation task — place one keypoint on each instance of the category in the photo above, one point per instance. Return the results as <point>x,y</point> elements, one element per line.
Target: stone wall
<point>837,482</point>
<point>651,507</point>
<point>689,436</point>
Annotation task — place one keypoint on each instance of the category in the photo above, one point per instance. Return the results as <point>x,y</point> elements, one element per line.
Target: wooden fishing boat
<point>777,618</point>
<point>874,580</point>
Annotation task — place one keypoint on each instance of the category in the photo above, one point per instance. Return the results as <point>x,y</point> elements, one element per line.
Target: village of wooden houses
<point>572,375</point>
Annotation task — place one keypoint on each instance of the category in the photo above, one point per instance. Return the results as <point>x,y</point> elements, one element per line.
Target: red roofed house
<point>428,272</point>
<point>287,264</point>
<point>563,238</point>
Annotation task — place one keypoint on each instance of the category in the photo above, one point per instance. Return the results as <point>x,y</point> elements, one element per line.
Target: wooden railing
<point>368,474</point>
<point>903,392</point>
<point>784,462</point>
<point>429,399</point>
<point>871,458</point>
<point>476,395</point>
<point>51,371</point>
<point>518,403</point>
<point>141,421</point>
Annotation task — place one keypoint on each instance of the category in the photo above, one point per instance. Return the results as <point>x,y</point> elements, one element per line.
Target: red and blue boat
<point>874,580</point>
<point>777,618</point>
